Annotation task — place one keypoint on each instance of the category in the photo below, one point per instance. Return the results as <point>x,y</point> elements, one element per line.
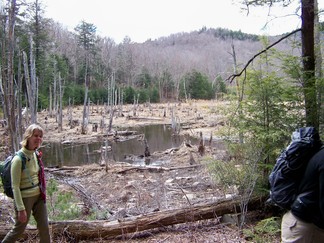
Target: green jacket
<point>24,179</point>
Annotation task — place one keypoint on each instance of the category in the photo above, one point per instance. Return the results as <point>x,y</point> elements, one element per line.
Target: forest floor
<point>115,190</point>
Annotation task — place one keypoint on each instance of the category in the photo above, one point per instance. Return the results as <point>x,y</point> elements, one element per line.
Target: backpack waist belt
<point>30,187</point>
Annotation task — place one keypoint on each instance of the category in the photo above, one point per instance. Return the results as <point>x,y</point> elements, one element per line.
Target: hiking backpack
<point>291,164</point>
<point>5,172</point>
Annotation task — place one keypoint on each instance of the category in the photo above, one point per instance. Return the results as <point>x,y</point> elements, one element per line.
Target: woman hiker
<point>32,197</point>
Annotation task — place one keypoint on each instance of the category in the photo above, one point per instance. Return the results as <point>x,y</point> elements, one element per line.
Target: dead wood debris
<point>102,229</point>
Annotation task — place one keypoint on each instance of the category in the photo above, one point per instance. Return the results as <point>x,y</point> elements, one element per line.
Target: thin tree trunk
<point>318,63</point>
<point>19,98</point>
<point>239,91</point>
<point>60,120</point>
<point>70,114</point>
<point>3,74</point>
<point>111,118</point>
<point>55,93</point>
<point>9,92</point>
<point>32,93</point>
<point>308,56</point>
<point>50,109</point>
<point>28,85</point>
<point>84,116</point>
<point>84,124</point>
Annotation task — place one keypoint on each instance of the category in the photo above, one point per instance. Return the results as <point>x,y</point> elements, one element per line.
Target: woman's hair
<point>29,133</point>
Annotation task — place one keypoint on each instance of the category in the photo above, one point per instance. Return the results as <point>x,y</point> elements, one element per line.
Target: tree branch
<point>231,78</point>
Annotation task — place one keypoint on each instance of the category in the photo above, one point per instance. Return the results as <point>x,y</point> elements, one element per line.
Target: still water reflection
<point>159,138</point>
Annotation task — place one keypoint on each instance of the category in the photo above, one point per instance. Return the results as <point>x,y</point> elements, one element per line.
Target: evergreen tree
<point>196,86</point>
<point>86,39</point>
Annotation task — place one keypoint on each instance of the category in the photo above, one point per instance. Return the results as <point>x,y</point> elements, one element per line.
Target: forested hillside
<point>156,70</point>
<point>56,75</point>
<point>49,67</point>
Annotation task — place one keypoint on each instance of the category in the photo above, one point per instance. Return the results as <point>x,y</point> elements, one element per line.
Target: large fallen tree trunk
<point>103,229</point>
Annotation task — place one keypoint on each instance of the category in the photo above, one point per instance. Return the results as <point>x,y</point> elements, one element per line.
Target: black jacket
<point>309,205</point>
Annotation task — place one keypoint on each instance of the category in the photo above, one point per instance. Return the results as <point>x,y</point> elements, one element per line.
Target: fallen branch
<point>88,199</point>
<point>63,168</point>
<point>156,168</point>
<point>144,118</point>
<point>126,167</point>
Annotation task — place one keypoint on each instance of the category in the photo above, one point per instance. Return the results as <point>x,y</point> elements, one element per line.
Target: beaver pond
<point>159,138</point>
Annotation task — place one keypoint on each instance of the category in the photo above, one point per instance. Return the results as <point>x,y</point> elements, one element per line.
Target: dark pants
<point>38,207</point>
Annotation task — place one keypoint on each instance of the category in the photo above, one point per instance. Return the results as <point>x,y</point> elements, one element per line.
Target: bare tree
<point>239,91</point>
<point>60,111</point>
<point>31,82</point>
<point>8,77</point>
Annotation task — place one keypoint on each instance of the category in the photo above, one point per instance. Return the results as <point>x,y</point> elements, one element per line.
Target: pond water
<point>159,138</point>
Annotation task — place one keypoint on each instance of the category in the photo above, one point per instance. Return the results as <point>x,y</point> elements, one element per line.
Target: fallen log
<point>144,118</point>
<point>155,168</point>
<point>62,168</point>
<point>125,168</point>
<point>104,229</point>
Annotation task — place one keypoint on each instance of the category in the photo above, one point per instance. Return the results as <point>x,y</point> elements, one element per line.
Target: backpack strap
<point>22,158</point>
<point>23,167</point>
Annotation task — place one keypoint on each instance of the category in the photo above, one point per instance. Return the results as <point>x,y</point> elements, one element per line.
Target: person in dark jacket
<point>305,221</point>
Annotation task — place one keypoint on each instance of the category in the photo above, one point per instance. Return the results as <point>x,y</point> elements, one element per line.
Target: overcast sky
<point>150,19</point>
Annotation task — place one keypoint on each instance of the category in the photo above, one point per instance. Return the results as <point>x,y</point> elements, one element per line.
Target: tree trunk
<point>60,119</point>
<point>9,87</point>
<point>308,56</point>
<point>31,83</point>
<point>239,91</point>
<point>83,230</point>
<point>32,91</point>
<point>55,106</point>
<point>19,130</point>
<point>84,114</point>
<point>86,84</point>
<point>318,63</point>
<point>3,57</point>
<point>112,111</point>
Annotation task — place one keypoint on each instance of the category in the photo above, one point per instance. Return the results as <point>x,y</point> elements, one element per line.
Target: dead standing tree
<point>12,96</point>
<point>112,98</point>
<point>60,112</point>
<point>31,82</point>
<point>7,73</point>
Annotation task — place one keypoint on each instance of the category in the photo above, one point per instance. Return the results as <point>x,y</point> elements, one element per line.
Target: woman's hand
<point>22,216</point>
